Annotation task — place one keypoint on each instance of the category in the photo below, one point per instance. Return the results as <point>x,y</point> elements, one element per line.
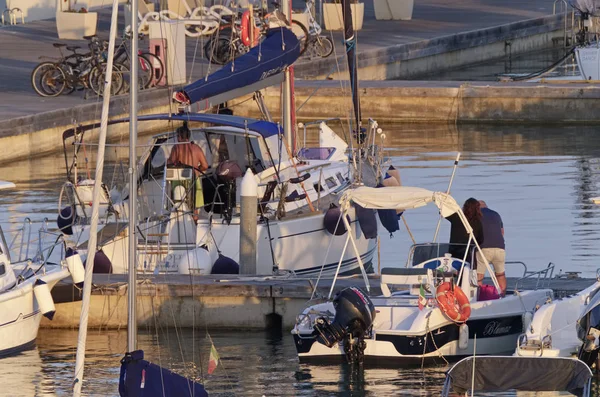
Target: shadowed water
<point>540,179</point>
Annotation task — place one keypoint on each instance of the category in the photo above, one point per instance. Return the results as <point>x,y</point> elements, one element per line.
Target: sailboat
<point>137,375</point>
<point>296,190</point>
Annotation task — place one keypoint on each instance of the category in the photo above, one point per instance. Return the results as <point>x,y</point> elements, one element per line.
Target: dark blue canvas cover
<point>279,50</point>
<point>140,378</point>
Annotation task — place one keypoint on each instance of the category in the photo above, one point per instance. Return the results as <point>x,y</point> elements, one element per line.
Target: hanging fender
<point>43,297</point>
<point>453,302</point>
<point>246,30</point>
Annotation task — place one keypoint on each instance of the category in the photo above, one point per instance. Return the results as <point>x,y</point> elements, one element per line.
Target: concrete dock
<point>440,36</point>
<point>221,301</point>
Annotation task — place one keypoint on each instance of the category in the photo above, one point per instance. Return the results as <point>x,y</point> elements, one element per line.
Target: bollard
<point>248,214</point>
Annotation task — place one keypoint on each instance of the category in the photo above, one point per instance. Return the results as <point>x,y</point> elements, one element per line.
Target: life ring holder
<point>453,302</point>
<point>245,30</point>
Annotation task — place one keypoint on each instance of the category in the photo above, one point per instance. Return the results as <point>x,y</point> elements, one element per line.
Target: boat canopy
<point>400,198</point>
<point>259,68</point>
<point>500,374</point>
<point>591,7</point>
<point>264,128</point>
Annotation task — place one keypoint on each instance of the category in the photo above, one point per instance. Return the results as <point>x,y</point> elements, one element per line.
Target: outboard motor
<point>354,315</point>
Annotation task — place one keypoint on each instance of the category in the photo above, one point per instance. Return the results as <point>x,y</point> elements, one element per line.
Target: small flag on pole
<point>213,360</point>
<point>422,299</point>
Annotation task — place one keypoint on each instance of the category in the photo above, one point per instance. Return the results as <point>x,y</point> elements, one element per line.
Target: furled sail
<point>591,7</point>
<point>350,41</point>
<point>261,67</point>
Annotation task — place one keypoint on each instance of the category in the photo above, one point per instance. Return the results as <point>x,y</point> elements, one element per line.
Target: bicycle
<point>317,44</point>
<point>75,71</point>
<point>226,43</point>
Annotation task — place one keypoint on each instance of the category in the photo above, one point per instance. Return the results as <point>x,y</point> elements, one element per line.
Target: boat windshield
<point>420,253</point>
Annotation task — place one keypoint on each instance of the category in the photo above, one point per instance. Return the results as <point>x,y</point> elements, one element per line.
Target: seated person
<point>190,154</point>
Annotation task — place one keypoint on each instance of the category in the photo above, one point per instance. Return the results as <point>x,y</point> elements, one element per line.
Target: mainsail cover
<point>591,7</point>
<point>279,50</point>
<point>140,378</point>
<point>350,41</point>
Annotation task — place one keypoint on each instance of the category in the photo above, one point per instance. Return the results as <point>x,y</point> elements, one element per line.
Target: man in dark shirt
<point>493,245</point>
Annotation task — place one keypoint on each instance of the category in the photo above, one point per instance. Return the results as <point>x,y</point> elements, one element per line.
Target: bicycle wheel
<point>218,50</point>
<point>302,33</point>
<point>40,86</point>
<point>323,46</point>
<point>158,68</point>
<point>97,79</point>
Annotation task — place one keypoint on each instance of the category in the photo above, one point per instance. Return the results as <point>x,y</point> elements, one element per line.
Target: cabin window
<point>330,182</point>
<point>340,177</point>
<point>2,269</point>
<point>318,187</point>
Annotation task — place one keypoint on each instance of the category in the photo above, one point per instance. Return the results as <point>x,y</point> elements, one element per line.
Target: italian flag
<point>422,299</point>
<point>213,360</point>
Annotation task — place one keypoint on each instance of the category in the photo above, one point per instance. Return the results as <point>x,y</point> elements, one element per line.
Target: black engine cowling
<point>354,315</point>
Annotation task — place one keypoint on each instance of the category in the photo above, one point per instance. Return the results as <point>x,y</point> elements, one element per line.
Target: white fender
<point>44,299</point>
<point>75,266</point>
<point>463,336</point>
<point>527,319</point>
<point>196,261</point>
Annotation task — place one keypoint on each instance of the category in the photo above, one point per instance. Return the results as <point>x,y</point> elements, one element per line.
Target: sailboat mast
<point>287,87</point>
<point>93,240</point>
<point>350,41</point>
<point>133,179</point>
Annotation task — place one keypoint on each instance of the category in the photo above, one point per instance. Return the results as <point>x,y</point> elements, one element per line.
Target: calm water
<point>540,179</point>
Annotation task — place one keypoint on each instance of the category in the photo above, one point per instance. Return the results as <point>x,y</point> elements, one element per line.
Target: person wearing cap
<point>492,247</point>
<point>188,153</point>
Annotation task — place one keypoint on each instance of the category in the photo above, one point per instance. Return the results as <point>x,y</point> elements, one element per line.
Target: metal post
<point>248,214</point>
<point>133,177</point>
<point>437,229</point>
<point>287,87</point>
<point>89,268</point>
<point>356,252</point>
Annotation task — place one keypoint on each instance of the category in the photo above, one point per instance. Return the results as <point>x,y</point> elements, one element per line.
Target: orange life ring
<point>246,30</point>
<point>453,303</point>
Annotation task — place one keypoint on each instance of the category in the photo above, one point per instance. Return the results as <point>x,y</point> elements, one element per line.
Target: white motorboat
<point>494,374</point>
<point>553,331</point>
<point>25,297</point>
<point>436,315</point>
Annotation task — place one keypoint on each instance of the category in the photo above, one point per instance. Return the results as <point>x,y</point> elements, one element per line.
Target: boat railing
<point>39,249</point>
<point>316,123</point>
<point>542,277</point>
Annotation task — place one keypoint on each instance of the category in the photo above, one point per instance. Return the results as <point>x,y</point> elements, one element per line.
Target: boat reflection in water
<point>22,374</point>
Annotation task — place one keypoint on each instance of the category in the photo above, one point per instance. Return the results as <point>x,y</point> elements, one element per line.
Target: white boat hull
<point>553,330</point>
<point>20,315</point>
<point>299,245</point>
<point>405,335</point>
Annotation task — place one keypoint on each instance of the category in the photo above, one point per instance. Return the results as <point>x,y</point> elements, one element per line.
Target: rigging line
<point>333,69</point>
<point>162,380</point>
<point>194,59</point>
<point>185,232</point>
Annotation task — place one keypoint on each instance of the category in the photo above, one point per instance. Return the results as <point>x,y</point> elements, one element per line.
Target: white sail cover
<point>400,198</point>
<point>592,7</point>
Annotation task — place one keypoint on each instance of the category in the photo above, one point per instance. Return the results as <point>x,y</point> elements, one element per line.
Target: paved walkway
<point>22,45</point>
